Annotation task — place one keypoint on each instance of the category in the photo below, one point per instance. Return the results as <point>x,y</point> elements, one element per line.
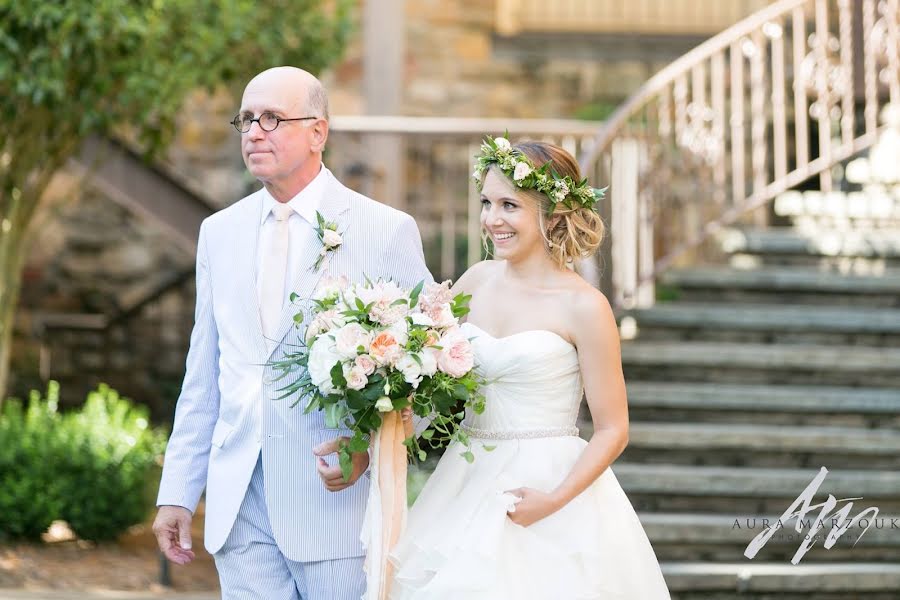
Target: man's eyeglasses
<point>267,121</point>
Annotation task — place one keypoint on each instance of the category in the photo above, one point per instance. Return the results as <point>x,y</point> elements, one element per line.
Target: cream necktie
<point>274,270</point>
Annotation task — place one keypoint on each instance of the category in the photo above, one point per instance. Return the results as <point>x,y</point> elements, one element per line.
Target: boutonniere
<point>328,235</point>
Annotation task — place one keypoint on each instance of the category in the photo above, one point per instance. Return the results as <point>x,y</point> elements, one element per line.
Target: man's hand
<point>173,533</point>
<point>331,476</point>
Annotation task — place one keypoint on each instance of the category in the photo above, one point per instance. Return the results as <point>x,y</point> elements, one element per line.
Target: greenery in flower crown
<point>519,168</point>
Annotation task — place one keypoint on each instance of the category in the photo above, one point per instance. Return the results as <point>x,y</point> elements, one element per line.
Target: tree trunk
<point>14,220</point>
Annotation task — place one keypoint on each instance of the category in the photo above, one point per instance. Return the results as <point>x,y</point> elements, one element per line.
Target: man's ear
<point>319,131</point>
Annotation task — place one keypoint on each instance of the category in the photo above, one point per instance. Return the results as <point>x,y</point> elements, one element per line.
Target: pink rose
<point>456,358</point>
<point>365,362</point>
<point>356,378</point>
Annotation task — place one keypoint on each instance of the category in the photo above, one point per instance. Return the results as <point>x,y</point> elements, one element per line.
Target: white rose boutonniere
<point>330,238</point>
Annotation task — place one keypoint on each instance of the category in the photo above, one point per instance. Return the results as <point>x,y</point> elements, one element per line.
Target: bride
<point>539,514</point>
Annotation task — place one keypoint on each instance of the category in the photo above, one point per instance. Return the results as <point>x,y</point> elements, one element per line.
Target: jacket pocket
<point>221,433</point>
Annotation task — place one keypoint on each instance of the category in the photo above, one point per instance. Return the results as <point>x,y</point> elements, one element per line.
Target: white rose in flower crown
<point>502,144</point>
<point>412,372</point>
<point>349,338</point>
<point>522,171</point>
<point>331,238</point>
<point>356,378</point>
<point>429,358</point>
<point>322,359</point>
<point>384,404</point>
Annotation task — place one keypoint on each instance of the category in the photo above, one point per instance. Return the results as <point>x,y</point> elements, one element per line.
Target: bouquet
<point>372,349</point>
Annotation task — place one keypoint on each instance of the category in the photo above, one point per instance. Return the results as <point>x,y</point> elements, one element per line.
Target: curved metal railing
<point>772,103</point>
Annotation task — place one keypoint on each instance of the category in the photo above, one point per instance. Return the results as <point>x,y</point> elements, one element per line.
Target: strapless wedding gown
<point>460,544</point>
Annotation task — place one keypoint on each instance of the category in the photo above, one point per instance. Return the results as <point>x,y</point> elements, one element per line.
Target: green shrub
<point>94,467</point>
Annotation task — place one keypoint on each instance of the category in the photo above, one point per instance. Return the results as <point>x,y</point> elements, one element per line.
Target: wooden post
<point>383,65</point>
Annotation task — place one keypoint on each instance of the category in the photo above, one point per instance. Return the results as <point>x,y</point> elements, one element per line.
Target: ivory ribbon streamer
<point>386,509</point>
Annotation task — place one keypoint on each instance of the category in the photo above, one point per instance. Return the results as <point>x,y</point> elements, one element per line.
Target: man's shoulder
<point>234,213</point>
<point>360,204</point>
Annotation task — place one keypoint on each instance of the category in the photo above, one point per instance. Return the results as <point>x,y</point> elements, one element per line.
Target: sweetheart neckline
<point>518,333</point>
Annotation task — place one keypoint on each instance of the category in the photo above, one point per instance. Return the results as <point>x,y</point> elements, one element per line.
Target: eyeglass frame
<point>278,120</point>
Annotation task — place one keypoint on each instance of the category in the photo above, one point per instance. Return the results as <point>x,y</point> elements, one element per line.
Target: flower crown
<point>518,167</point>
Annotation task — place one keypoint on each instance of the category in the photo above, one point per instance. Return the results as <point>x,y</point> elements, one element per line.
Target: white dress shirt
<point>300,224</point>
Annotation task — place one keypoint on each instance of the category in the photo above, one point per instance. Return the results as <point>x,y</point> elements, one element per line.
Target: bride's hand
<point>533,506</point>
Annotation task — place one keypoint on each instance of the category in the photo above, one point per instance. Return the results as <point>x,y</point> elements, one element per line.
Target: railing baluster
<point>823,117</point>
<point>892,10</point>
<point>846,36</point>
<point>779,122</point>
<point>758,113</point>
<point>717,85</point>
<point>739,189</point>
<point>473,213</point>
<point>870,75</point>
<point>680,93</point>
<point>801,109</point>
<point>665,113</point>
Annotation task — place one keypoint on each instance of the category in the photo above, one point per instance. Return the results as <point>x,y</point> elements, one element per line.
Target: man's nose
<point>256,132</point>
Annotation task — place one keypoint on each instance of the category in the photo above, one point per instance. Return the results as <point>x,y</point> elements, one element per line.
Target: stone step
<point>786,241</point>
<point>762,363</point>
<point>724,538</point>
<point>769,323</point>
<point>755,445</point>
<point>782,285</point>
<point>781,581</point>
<point>749,490</point>
<point>776,405</point>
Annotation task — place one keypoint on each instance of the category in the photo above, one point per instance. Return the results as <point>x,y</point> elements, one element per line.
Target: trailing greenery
<point>94,467</point>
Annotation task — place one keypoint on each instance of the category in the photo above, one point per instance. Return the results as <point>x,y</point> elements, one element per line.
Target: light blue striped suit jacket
<point>226,415</point>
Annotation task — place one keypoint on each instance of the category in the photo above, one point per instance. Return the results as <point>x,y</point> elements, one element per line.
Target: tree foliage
<point>74,68</point>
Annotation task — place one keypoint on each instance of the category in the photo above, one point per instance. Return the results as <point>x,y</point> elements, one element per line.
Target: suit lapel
<point>335,208</point>
<point>247,240</point>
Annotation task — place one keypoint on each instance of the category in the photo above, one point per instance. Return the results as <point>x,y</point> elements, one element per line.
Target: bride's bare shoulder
<point>475,275</point>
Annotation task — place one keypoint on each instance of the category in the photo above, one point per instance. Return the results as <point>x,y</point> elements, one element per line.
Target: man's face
<point>279,155</point>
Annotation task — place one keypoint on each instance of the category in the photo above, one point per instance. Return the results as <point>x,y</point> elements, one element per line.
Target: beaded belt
<point>487,434</point>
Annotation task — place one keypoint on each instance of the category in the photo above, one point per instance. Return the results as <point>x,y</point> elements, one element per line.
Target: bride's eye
<point>485,202</point>
<point>509,205</point>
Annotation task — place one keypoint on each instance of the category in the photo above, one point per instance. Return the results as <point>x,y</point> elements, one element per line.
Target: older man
<point>280,521</point>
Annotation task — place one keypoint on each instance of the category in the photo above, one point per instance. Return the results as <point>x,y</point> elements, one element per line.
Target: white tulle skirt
<point>460,543</point>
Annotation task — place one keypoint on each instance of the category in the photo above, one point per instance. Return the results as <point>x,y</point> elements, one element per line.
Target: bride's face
<point>510,218</point>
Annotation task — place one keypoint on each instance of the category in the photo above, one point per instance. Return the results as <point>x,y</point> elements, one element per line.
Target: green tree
<point>74,68</point>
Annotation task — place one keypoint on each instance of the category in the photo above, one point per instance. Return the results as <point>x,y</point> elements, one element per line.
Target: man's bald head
<point>293,88</point>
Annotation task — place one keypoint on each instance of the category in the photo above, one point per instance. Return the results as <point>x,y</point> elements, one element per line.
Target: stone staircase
<point>742,385</point>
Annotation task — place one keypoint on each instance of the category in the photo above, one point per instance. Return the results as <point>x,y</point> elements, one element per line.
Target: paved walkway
<point>15,594</point>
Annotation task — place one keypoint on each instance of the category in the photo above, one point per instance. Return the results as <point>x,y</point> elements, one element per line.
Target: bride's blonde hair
<point>570,233</point>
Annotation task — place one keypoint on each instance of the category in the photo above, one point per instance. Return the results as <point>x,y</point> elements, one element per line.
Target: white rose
<point>522,171</point>
<point>330,287</point>
<point>400,331</point>
<point>384,404</point>
<point>331,238</point>
<point>502,143</point>
<point>429,362</point>
<point>422,319</point>
<point>349,338</point>
<point>322,359</point>
<point>412,372</point>
<point>356,378</point>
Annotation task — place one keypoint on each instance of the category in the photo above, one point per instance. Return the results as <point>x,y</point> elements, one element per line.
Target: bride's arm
<point>600,360</point>
<point>599,356</point>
